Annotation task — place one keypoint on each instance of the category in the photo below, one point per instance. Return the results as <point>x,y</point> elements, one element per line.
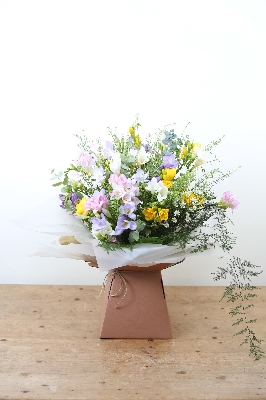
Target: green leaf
<point>140,225</point>
<point>57,184</point>
<point>133,236</point>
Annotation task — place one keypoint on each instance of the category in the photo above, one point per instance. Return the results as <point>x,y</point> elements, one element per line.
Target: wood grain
<point>49,349</point>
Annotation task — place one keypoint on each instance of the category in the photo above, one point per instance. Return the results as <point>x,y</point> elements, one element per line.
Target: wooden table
<point>49,349</point>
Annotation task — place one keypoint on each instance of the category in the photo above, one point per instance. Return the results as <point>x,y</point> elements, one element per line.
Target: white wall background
<point>73,65</point>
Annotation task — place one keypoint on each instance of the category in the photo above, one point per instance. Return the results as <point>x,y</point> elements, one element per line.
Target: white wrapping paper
<point>51,219</point>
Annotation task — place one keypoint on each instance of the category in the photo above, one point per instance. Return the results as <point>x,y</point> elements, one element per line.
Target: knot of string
<point>122,287</point>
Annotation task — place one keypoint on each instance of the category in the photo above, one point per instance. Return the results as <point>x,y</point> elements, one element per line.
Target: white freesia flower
<point>142,157</point>
<point>115,164</point>
<point>107,230</point>
<point>74,175</point>
<point>97,176</point>
<point>162,191</point>
<point>152,186</point>
<point>157,187</point>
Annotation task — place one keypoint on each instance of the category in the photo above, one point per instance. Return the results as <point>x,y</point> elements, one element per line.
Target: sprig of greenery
<point>239,291</point>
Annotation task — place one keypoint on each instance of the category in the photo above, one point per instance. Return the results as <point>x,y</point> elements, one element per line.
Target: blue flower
<point>169,161</point>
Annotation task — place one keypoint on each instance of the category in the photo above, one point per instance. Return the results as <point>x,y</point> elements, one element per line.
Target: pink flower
<point>85,160</point>
<point>97,202</point>
<point>120,180</point>
<point>229,200</point>
<point>118,191</point>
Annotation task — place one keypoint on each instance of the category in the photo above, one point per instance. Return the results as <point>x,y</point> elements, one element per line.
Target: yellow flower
<point>192,199</point>
<point>150,213</point>
<point>196,146</point>
<point>168,184</point>
<point>168,174</point>
<point>184,152</point>
<point>131,130</point>
<point>137,141</point>
<point>163,214</point>
<point>80,207</point>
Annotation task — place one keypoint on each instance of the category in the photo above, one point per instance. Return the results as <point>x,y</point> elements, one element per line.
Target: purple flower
<point>128,209</point>
<point>169,162</point>
<point>147,147</point>
<point>140,175</point>
<point>109,149</point>
<point>62,198</point>
<point>74,198</point>
<point>123,224</point>
<point>101,227</point>
<point>98,223</point>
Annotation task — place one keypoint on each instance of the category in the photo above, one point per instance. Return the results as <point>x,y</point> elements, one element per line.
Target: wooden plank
<point>49,349</point>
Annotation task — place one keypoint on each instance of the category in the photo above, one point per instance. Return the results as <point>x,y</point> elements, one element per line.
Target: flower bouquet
<point>146,204</point>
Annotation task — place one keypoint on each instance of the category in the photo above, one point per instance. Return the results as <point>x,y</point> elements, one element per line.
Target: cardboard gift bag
<point>134,305</point>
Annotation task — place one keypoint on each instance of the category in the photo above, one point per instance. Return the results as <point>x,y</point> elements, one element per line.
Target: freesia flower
<point>86,161</point>
<point>62,197</point>
<point>101,227</point>
<point>142,156</point>
<point>140,175</point>
<point>157,187</point>
<point>196,148</point>
<point>128,209</point>
<point>97,202</point>
<point>169,174</point>
<point>229,200</point>
<point>98,176</point>
<point>80,207</point>
<point>74,198</point>
<point>184,152</point>
<point>74,175</point>
<point>152,185</point>
<point>109,149</point>
<point>150,213</point>
<point>123,224</point>
<point>169,161</point>
<point>163,214</point>
<point>115,164</point>
<point>162,191</point>
<point>118,180</point>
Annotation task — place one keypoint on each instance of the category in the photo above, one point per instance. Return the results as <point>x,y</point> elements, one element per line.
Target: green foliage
<point>239,292</point>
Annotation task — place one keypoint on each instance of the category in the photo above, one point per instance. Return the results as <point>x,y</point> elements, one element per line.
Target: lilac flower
<point>74,198</point>
<point>98,223</point>
<point>109,149</point>
<point>229,200</point>
<point>62,198</point>
<point>101,227</point>
<point>73,176</point>
<point>85,160</point>
<point>128,209</point>
<point>169,161</point>
<point>123,224</point>
<point>147,147</point>
<point>140,175</point>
